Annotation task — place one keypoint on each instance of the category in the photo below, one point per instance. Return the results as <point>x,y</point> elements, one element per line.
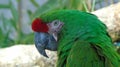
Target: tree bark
<point>111,17</point>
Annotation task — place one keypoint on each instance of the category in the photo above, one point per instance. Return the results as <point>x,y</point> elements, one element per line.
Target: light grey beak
<point>55,36</point>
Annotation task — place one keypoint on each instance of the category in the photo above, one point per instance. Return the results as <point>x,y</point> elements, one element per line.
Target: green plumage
<point>83,40</point>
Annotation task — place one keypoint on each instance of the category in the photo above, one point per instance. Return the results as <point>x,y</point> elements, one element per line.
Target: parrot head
<point>46,34</point>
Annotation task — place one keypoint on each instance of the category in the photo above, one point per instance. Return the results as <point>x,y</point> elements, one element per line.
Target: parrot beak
<point>45,41</point>
<point>42,51</point>
<point>41,40</point>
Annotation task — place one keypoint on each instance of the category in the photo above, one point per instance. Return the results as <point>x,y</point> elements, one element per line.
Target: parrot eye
<point>56,22</point>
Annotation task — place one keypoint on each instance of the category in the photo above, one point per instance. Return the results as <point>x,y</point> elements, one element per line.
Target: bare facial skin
<point>55,27</point>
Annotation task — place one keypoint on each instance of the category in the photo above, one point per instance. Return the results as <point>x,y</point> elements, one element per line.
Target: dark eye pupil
<point>56,23</point>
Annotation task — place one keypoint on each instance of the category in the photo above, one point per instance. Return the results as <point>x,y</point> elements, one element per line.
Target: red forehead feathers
<point>39,26</point>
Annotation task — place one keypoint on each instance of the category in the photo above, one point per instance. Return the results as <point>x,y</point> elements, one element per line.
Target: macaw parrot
<point>80,39</point>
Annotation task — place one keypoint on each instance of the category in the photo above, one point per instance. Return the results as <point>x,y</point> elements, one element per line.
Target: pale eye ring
<point>56,22</point>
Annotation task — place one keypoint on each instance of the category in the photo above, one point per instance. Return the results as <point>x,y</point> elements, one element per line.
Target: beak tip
<point>45,56</point>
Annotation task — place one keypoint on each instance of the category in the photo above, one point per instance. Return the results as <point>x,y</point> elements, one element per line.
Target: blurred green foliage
<point>8,24</point>
<point>64,4</point>
<point>83,5</point>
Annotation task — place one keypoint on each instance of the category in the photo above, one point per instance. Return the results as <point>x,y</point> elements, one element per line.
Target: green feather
<point>83,41</point>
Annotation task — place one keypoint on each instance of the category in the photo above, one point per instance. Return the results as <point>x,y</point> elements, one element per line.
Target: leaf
<point>34,3</point>
<point>4,6</point>
<point>85,7</point>
<point>14,12</point>
<point>13,23</point>
<point>29,14</point>
<point>5,31</point>
<point>1,35</point>
<point>75,3</point>
<point>2,25</point>
<point>28,38</point>
<point>5,23</point>
<point>93,5</point>
<point>48,6</point>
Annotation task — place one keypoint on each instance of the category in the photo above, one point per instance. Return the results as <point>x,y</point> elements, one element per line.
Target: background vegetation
<point>12,29</point>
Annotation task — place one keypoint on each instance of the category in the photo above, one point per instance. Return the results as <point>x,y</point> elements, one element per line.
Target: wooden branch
<point>111,17</point>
